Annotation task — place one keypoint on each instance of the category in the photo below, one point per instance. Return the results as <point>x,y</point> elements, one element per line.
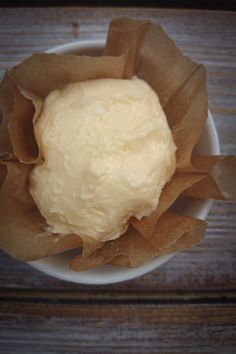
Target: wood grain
<point>43,328</point>
<point>188,304</point>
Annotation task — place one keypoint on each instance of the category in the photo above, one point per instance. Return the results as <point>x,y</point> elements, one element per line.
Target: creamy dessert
<point>107,152</point>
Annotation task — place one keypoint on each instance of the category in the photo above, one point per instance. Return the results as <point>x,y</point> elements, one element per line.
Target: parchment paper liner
<point>173,233</point>
<point>220,182</point>
<point>133,48</point>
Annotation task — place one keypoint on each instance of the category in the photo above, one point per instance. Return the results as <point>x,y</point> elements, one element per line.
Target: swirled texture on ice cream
<point>107,153</point>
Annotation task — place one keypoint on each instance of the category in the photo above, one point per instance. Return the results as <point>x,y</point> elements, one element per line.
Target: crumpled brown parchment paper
<point>133,47</point>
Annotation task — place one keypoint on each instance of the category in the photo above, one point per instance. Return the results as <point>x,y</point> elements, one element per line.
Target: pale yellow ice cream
<point>108,152</point>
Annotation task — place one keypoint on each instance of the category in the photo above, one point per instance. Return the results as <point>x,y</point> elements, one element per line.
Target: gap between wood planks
<point>97,296</point>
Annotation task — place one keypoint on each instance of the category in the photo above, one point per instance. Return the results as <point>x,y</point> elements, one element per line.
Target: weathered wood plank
<point>185,306</point>
<point>123,296</point>
<point>71,328</point>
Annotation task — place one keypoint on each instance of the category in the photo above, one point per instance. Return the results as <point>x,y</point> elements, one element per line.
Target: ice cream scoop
<point>107,152</point>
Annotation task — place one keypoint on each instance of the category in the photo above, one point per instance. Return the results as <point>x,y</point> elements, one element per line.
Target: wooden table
<point>187,305</point>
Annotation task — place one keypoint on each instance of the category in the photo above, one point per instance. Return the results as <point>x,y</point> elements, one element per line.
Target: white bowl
<point>57,266</point>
